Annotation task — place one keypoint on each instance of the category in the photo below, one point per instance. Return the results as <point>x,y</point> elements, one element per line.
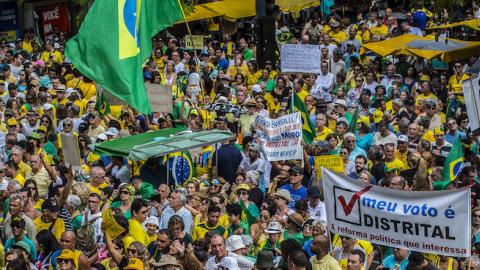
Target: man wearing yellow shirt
<point>322,130</point>
<point>12,172</point>
<point>337,34</point>
<point>139,215</point>
<point>426,93</point>
<point>49,219</point>
<point>402,153</point>
<point>50,55</point>
<point>455,81</point>
<point>322,260</point>
<point>301,91</point>
<point>391,162</point>
<point>380,29</point>
<point>97,176</point>
<point>17,158</point>
<point>211,224</point>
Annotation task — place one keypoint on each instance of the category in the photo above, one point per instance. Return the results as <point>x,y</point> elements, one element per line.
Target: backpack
<point>86,241</point>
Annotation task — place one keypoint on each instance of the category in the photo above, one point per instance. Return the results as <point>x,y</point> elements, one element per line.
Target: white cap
<point>229,263</point>
<point>152,220</point>
<point>256,88</point>
<point>102,137</point>
<point>403,138</point>
<point>47,106</point>
<point>71,91</point>
<point>112,132</point>
<point>235,242</point>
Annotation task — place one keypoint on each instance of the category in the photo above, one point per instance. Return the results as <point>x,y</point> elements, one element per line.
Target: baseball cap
<point>50,204</point>
<point>256,88</point>
<point>102,137</point>
<point>243,187</point>
<point>112,132</point>
<point>134,264</point>
<point>18,222</point>
<point>403,138</point>
<point>313,192</point>
<point>296,169</point>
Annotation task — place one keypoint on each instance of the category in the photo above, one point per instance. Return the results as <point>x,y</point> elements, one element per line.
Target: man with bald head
<point>219,250</point>
<point>322,260</point>
<point>67,241</point>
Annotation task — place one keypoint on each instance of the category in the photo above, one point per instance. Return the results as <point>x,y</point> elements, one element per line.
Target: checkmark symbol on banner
<point>348,207</point>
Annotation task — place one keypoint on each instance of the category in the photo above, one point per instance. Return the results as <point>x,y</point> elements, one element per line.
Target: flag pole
<point>196,59</point>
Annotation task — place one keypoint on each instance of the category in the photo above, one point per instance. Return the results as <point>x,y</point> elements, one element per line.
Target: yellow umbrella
<point>447,50</point>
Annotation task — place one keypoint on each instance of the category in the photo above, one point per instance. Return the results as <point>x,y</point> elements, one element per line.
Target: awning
<point>475,24</point>
<point>447,50</point>
<point>236,9</point>
<point>160,143</point>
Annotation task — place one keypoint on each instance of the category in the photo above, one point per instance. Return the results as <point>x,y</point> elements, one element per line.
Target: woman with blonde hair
<point>82,191</point>
<point>125,194</point>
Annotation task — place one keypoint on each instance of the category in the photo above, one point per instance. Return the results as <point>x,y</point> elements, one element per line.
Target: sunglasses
<point>131,250</point>
<point>124,192</point>
<point>63,261</point>
<point>243,193</point>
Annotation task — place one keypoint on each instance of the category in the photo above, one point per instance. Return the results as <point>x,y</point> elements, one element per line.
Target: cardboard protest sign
<point>280,138</point>
<point>197,42</point>
<point>331,162</point>
<point>300,58</point>
<point>110,224</point>
<point>160,97</point>
<point>425,221</point>
<point>111,99</point>
<point>71,151</point>
<point>471,93</point>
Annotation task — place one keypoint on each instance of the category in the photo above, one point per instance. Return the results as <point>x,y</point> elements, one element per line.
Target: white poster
<point>280,138</point>
<point>160,97</point>
<point>471,92</point>
<point>427,221</point>
<point>300,58</point>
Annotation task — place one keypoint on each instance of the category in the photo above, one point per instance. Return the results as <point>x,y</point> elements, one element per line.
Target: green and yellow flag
<point>352,127</point>
<point>308,129</point>
<point>101,104</point>
<point>452,166</point>
<point>114,41</point>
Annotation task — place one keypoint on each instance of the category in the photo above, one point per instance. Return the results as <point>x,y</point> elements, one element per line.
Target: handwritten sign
<point>110,224</point>
<point>160,97</point>
<point>280,138</point>
<point>71,151</point>
<point>300,58</point>
<point>331,162</point>
<point>197,42</point>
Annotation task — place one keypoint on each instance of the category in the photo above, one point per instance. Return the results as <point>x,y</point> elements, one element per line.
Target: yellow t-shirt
<point>56,56</point>
<point>24,169</point>
<point>322,135</point>
<point>137,231</point>
<point>339,37</point>
<point>396,163</point>
<point>95,189</point>
<point>58,227</point>
<point>379,30</point>
<point>201,229</point>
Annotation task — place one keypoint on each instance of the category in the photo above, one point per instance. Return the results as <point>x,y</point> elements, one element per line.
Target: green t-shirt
<point>232,228</point>
<point>247,54</point>
<point>117,204</point>
<point>146,190</point>
<point>297,236</point>
<point>77,222</point>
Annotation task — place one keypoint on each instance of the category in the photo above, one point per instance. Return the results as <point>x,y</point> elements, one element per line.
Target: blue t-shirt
<point>296,195</point>
<point>390,262</point>
<point>307,248</point>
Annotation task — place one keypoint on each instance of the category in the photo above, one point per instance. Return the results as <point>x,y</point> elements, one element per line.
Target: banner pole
<point>197,66</point>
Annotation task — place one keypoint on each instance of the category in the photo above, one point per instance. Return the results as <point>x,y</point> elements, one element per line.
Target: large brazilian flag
<point>114,41</point>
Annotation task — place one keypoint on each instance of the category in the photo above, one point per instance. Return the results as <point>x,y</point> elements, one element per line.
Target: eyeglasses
<point>458,66</point>
<point>132,250</point>
<point>67,125</point>
<point>242,193</point>
<point>295,174</point>
<point>92,201</point>
<point>476,216</point>
<point>124,192</point>
<point>350,141</point>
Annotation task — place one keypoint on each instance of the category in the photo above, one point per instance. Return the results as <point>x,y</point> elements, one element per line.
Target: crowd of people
<point>239,210</point>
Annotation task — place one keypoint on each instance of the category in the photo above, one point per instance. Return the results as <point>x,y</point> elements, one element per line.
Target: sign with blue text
<point>427,221</point>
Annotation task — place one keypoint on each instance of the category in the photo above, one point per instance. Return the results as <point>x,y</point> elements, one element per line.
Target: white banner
<point>432,221</point>
<point>280,138</point>
<point>300,58</point>
<point>471,93</point>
